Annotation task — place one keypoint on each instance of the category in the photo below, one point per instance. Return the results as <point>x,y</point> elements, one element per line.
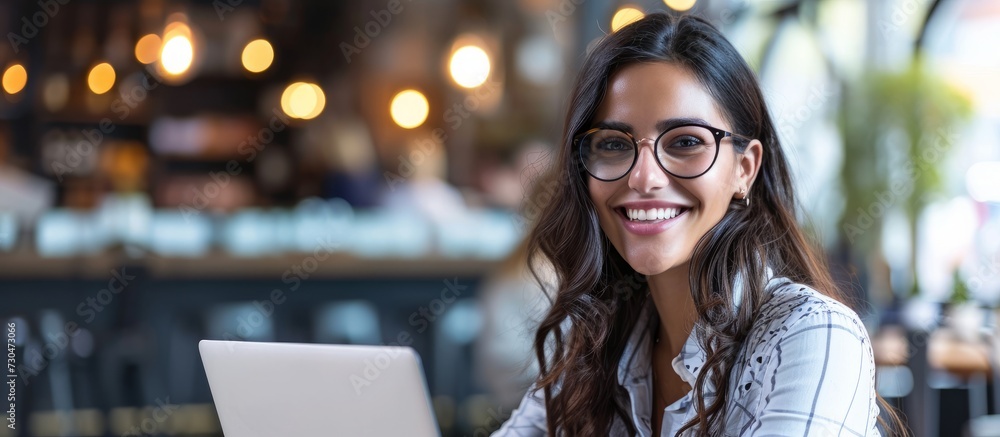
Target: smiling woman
<point>671,172</point>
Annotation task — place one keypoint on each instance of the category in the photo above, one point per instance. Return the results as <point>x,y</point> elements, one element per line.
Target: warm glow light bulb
<point>147,48</point>
<point>177,54</point>
<point>303,100</point>
<point>624,16</point>
<point>177,26</point>
<point>286,98</point>
<point>470,66</point>
<point>409,109</point>
<point>257,55</point>
<point>320,102</point>
<point>680,5</point>
<point>101,78</point>
<point>14,79</point>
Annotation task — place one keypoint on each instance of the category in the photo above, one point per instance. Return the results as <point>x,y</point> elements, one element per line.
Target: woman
<point>681,266</point>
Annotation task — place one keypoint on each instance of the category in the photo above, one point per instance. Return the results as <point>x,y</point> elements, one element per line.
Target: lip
<point>649,227</point>
<point>649,204</point>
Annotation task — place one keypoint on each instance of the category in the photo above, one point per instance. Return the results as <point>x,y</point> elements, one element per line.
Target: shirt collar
<point>635,362</point>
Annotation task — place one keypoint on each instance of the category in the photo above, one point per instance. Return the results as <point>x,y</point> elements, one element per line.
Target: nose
<point>647,175</point>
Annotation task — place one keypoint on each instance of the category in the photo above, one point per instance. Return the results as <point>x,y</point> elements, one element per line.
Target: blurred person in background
<point>343,147</point>
<point>424,190</point>
<point>513,304</point>
<point>23,196</point>
<point>513,301</point>
<point>689,301</point>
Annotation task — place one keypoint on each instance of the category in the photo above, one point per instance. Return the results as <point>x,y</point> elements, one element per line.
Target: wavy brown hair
<point>599,297</point>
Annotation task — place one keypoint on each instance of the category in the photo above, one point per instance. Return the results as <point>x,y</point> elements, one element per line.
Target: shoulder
<point>793,308</point>
<point>807,365</point>
<point>796,304</point>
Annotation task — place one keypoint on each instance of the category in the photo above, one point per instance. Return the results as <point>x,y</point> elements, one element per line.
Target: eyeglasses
<point>685,151</point>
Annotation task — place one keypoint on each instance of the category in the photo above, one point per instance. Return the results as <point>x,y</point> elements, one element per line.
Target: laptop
<point>289,389</point>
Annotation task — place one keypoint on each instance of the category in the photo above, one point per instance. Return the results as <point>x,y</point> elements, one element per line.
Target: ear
<point>748,164</point>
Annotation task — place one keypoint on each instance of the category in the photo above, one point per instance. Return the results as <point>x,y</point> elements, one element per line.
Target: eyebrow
<point>661,125</point>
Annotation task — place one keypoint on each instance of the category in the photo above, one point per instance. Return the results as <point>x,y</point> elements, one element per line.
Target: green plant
<point>898,130</point>
<point>959,291</point>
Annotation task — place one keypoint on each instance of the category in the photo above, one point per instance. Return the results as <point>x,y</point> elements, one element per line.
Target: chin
<point>648,263</point>
<point>647,271</point>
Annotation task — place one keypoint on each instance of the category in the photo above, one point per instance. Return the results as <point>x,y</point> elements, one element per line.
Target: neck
<point>671,294</point>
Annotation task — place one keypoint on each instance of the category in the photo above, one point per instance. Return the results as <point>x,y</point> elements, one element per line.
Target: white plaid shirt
<point>806,369</point>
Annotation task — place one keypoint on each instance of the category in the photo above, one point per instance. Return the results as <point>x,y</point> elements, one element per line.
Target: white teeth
<point>652,214</point>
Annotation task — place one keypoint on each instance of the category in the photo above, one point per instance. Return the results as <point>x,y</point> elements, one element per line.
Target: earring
<point>746,197</point>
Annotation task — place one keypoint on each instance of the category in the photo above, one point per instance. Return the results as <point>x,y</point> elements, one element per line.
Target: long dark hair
<point>598,294</point>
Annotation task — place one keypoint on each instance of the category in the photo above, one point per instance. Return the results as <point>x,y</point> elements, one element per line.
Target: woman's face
<point>641,96</point>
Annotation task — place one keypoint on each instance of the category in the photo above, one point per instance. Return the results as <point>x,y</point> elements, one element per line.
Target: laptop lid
<point>289,389</point>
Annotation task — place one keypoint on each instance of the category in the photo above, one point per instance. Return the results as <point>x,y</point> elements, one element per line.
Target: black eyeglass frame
<point>719,134</point>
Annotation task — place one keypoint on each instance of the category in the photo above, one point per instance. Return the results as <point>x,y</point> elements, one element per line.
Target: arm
<point>528,420</point>
<point>820,379</point>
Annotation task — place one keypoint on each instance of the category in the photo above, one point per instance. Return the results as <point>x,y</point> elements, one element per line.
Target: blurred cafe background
<point>363,172</point>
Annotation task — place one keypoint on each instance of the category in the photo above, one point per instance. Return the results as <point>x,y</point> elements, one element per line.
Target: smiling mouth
<point>651,215</point>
